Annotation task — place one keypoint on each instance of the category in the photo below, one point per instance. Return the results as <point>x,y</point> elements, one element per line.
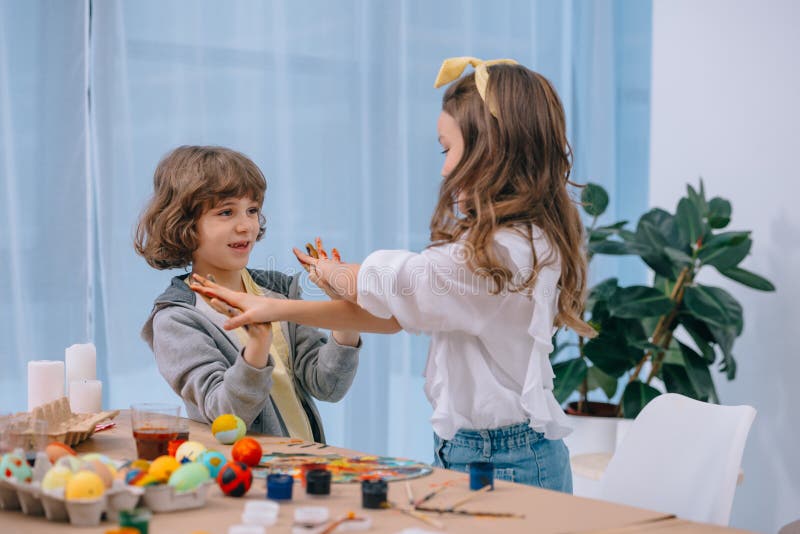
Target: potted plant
<point>636,345</point>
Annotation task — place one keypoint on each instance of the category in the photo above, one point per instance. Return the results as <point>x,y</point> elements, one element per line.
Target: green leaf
<point>701,336</point>
<point>611,354</point>
<point>725,257</point>
<point>724,239</point>
<point>748,278</point>
<point>699,375</point>
<point>612,248</point>
<point>636,396</point>
<point>599,379</point>
<point>639,301</point>
<point>604,232</point>
<point>569,375</point>
<point>725,338</point>
<point>678,257</point>
<point>666,225</point>
<point>594,199</point>
<point>601,292</point>
<point>690,221</point>
<point>651,244</point>
<point>697,199</point>
<point>719,212</point>
<point>714,306</point>
<point>676,380</point>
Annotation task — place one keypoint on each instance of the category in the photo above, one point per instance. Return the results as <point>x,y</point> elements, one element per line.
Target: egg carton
<point>165,498</point>
<point>35,501</point>
<point>67,427</point>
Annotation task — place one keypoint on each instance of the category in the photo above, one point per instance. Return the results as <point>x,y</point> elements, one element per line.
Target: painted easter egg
<point>189,451</point>
<point>73,463</point>
<point>163,467</point>
<point>188,476</point>
<point>141,464</point>
<point>14,466</point>
<point>147,480</point>
<point>84,485</point>
<point>213,461</point>
<point>133,476</point>
<point>227,428</point>
<point>56,450</point>
<point>234,479</point>
<point>56,477</point>
<point>105,472</point>
<point>248,451</point>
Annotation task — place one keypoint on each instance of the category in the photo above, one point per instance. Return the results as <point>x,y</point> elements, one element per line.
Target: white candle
<point>86,396</point>
<point>81,360</point>
<point>45,382</point>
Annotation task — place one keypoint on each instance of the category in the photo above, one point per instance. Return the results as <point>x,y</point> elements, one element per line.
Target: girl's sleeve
<point>190,361</point>
<point>431,291</point>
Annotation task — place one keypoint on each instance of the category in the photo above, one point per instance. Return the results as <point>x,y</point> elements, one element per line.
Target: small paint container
<point>481,474</point>
<point>279,487</point>
<point>374,493</point>
<point>318,482</point>
<point>138,518</point>
<point>262,513</point>
<point>246,529</point>
<point>311,515</point>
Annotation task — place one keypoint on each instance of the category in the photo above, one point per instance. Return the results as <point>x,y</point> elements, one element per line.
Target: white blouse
<point>488,364</point>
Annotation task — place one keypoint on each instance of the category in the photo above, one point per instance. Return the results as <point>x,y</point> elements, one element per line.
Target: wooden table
<point>544,511</point>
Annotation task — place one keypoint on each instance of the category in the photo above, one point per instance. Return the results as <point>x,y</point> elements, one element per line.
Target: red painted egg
<point>234,479</point>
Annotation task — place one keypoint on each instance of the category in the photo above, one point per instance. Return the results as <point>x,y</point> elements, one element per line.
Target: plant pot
<point>592,433</point>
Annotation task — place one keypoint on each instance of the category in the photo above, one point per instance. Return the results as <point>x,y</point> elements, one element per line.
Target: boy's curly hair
<point>187,182</point>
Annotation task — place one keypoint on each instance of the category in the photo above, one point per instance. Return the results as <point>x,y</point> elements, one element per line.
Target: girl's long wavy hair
<point>187,182</point>
<point>514,172</point>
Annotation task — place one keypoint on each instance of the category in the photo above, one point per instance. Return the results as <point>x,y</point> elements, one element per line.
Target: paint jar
<point>481,474</point>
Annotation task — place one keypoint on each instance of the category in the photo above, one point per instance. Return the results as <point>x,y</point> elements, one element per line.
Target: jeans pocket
<point>440,453</point>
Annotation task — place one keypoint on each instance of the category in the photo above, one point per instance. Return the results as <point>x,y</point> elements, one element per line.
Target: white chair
<point>682,457</point>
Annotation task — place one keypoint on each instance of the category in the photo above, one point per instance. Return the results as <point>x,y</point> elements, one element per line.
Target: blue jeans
<point>519,453</point>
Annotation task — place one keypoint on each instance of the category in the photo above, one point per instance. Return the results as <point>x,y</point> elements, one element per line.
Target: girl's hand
<point>330,275</point>
<point>242,308</point>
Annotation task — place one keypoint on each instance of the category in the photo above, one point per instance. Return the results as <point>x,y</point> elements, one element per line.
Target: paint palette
<point>344,469</point>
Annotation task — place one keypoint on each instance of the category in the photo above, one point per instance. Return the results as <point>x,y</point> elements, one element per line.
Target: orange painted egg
<point>248,451</point>
<point>56,450</point>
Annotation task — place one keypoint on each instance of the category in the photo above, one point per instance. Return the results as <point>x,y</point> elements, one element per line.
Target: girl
<point>505,267</point>
<point>206,213</point>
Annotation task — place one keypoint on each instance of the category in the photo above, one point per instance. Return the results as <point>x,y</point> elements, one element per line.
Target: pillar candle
<point>45,382</point>
<point>81,360</point>
<point>86,396</point>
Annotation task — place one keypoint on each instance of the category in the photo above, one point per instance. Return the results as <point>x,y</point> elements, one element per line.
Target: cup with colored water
<point>154,426</point>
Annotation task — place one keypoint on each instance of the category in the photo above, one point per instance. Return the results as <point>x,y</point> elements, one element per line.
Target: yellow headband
<point>453,68</point>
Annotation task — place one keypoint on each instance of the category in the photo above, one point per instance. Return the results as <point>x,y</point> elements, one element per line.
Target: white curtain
<point>333,100</point>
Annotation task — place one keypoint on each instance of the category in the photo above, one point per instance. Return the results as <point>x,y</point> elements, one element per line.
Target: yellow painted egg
<point>56,477</point>
<point>228,428</point>
<point>140,464</point>
<point>163,467</point>
<point>84,485</point>
<point>189,476</point>
<point>189,451</point>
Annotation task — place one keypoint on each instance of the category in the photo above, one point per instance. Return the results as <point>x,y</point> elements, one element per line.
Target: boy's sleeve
<point>192,364</point>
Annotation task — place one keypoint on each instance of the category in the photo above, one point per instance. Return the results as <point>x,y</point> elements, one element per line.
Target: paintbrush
<point>430,496</point>
<point>471,496</point>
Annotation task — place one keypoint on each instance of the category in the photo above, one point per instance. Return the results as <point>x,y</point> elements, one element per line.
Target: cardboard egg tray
<point>33,500</point>
<point>67,427</point>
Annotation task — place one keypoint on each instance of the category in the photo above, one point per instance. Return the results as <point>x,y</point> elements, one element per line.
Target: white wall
<point>726,83</point>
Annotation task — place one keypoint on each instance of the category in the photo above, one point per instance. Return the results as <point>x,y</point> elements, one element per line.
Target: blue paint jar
<point>481,474</point>
<point>279,487</point>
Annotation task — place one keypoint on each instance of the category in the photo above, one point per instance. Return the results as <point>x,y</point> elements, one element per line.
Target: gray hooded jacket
<point>203,365</point>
